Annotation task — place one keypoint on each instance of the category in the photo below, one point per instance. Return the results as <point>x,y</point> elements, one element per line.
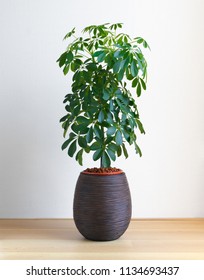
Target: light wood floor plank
<point>144,239</point>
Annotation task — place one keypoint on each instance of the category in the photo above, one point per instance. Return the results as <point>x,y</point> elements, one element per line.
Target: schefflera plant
<point>101,113</point>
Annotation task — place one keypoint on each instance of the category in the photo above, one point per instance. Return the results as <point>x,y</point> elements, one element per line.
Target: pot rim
<point>103,174</point>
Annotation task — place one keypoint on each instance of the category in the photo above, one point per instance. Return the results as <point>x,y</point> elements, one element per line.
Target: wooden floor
<point>144,239</point>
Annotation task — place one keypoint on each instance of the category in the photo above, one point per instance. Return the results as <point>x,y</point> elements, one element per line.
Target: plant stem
<point>101,163</point>
<point>103,146</point>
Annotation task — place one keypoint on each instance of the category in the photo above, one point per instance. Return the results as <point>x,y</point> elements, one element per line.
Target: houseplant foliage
<point>101,113</point>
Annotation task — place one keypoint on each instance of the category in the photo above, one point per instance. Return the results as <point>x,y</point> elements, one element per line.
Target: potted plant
<point>101,116</point>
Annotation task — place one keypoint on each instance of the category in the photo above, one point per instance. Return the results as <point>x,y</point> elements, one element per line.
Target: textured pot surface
<point>102,206</point>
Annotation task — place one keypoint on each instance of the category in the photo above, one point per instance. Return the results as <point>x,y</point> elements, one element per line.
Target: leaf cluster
<point>101,112</point>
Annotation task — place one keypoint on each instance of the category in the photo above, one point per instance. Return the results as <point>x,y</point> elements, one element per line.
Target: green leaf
<point>89,136</point>
<point>140,126</point>
<point>119,151</point>
<point>82,142</point>
<point>69,34</point>
<point>62,59</point>
<point>145,45</point>
<point>101,57</point>
<point>133,69</point>
<point>118,138</point>
<point>139,61</point>
<point>117,53</point>
<point>81,128</point>
<point>111,130</point>
<point>105,160</point>
<point>79,157</point>
<point>138,90</point>
<point>126,135</point>
<point>116,66</point>
<point>64,118</point>
<point>97,154</point>
<point>66,69</point>
<point>139,40</point>
<point>97,131</point>
<point>125,151</point>
<point>113,147</point>
<point>95,146</point>
<point>111,154</point>
<point>121,74</point>
<point>82,120</point>
<point>143,84</point>
<point>110,118</point>
<point>111,105</point>
<point>91,67</point>
<point>76,110</point>
<point>137,149</point>
<point>66,143</point>
<point>106,95</point>
<point>72,149</point>
<point>134,82</point>
<point>101,116</point>
<point>74,66</point>
<point>97,53</point>
<point>69,57</point>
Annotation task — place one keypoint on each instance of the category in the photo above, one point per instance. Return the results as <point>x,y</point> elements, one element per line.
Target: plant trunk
<point>103,144</point>
<point>101,163</point>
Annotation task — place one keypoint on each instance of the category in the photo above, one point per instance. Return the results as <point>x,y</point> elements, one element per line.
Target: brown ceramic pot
<point>102,205</point>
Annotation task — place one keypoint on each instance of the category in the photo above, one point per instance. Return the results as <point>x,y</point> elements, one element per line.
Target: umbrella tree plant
<point>101,113</point>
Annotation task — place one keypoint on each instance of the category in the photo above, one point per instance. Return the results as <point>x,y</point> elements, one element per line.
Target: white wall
<point>37,180</point>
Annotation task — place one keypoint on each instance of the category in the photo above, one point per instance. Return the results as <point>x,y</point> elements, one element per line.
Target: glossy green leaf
<point>81,128</point>
<point>69,34</point>
<point>140,126</point>
<point>139,40</point>
<point>111,154</point>
<point>138,89</point>
<point>117,53</point>
<point>66,143</point>
<point>82,120</point>
<point>66,70</point>
<point>97,131</point>
<point>111,130</point>
<point>112,146</point>
<point>89,136</point>
<point>69,57</point>
<point>118,138</point>
<point>106,95</point>
<point>76,110</point>
<point>121,74</point>
<point>62,59</point>
<point>119,151</point>
<point>116,66</point>
<point>95,146</point>
<point>79,157</point>
<point>64,118</point>
<point>98,53</point>
<point>133,69</point>
<point>101,57</point>
<point>101,116</point>
<point>137,149</point>
<point>125,151</point>
<point>97,154</point>
<point>143,84</point>
<point>105,160</point>
<point>134,82</point>
<point>72,149</point>
<point>82,142</point>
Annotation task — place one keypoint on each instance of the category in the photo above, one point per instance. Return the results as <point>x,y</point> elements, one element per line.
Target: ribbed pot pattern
<point>102,206</point>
